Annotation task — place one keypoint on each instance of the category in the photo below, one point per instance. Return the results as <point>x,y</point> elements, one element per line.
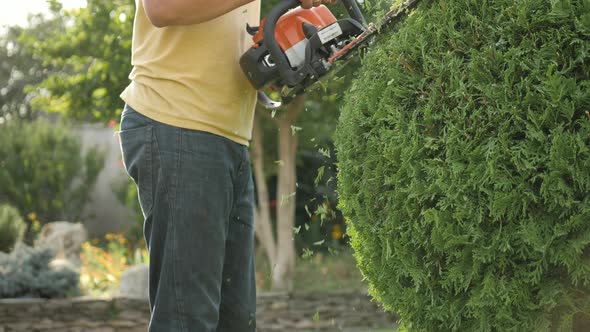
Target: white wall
<point>105,214</point>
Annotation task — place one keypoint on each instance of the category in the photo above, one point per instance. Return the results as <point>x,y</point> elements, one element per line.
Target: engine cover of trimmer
<point>290,34</point>
<point>292,46</point>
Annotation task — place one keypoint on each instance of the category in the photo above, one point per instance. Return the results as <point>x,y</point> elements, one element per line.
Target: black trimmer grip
<point>274,49</point>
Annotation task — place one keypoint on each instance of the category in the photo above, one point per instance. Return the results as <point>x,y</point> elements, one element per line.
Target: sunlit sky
<point>16,11</point>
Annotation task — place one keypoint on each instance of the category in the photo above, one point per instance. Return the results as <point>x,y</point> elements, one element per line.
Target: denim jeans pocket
<point>137,148</point>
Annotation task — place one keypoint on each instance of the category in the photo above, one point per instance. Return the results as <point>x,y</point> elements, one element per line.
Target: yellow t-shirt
<point>190,77</point>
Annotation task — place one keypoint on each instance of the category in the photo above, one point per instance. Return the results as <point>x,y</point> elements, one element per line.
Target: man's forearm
<point>184,12</point>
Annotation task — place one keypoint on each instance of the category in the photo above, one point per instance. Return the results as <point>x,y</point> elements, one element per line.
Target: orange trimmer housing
<point>288,31</point>
<point>292,46</point>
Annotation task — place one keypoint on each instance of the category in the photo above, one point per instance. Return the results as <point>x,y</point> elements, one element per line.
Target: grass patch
<point>317,272</point>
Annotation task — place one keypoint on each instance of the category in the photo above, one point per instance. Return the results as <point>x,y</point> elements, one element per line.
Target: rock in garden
<point>134,282</point>
<point>65,238</point>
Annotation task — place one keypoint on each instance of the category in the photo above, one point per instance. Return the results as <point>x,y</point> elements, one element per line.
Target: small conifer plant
<point>27,272</point>
<point>12,227</point>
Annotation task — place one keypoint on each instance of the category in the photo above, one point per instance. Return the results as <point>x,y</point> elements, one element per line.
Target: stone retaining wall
<point>340,311</point>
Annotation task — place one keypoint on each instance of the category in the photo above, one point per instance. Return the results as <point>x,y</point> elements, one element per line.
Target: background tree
<point>93,56</point>
<point>313,117</point>
<point>44,174</point>
<point>20,67</point>
<point>304,125</point>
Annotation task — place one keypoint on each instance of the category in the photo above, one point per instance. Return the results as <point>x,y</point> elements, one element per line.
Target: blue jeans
<point>197,197</point>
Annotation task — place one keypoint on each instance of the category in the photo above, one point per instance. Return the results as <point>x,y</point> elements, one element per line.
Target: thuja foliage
<point>26,273</point>
<point>12,227</point>
<point>45,170</point>
<point>464,154</point>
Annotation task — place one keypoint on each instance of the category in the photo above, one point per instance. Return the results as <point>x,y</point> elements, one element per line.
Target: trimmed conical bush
<point>464,165</point>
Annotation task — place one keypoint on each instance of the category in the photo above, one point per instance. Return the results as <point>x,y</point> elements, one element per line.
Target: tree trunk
<point>284,269</point>
<point>263,225</point>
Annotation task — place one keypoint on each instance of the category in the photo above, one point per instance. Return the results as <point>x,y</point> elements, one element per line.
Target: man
<point>184,136</point>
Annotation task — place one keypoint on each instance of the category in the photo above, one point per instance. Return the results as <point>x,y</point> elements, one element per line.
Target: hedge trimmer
<point>295,47</point>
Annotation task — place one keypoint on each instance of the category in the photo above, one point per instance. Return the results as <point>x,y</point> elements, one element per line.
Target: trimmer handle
<point>353,10</point>
<point>293,77</point>
<point>277,55</point>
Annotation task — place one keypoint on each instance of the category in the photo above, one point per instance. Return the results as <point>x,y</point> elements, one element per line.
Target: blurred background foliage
<point>44,171</point>
<point>69,67</point>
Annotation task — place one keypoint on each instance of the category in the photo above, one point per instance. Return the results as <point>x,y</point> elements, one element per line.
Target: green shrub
<point>26,273</point>
<point>464,159</point>
<point>12,227</point>
<point>43,170</point>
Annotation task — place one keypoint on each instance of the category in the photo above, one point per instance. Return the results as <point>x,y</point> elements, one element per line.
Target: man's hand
<point>306,4</point>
